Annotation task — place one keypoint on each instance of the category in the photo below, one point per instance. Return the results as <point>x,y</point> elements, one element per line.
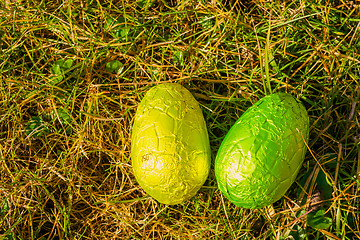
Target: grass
<point>73,72</point>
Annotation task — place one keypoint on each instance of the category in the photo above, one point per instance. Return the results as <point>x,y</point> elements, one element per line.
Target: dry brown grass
<point>69,175</point>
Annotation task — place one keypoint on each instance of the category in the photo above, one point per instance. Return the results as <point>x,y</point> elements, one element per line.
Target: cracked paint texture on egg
<point>170,148</point>
<point>263,151</point>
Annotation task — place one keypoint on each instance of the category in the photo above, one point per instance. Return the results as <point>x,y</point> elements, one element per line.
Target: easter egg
<point>170,148</point>
<point>261,154</point>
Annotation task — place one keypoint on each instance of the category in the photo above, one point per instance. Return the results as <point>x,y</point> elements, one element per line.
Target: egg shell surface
<point>261,155</point>
<point>170,148</point>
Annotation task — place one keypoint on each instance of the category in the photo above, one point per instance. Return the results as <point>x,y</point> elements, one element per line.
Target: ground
<point>72,74</point>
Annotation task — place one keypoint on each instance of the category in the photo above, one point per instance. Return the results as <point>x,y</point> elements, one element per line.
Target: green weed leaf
<point>109,22</point>
<point>123,29</point>
<point>318,220</point>
<point>62,64</point>
<point>58,70</point>
<point>4,207</point>
<point>64,117</point>
<point>56,79</point>
<point>207,22</point>
<point>118,27</point>
<point>9,237</point>
<point>298,233</point>
<point>59,62</point>
<point>321,182</point>
<point>36,127</point>
<point>114,66</point>
<point>324,185</point>
<point>178,58</point>
<point>145,3</point>
<point>55,69</point>
<point>67,64</point>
